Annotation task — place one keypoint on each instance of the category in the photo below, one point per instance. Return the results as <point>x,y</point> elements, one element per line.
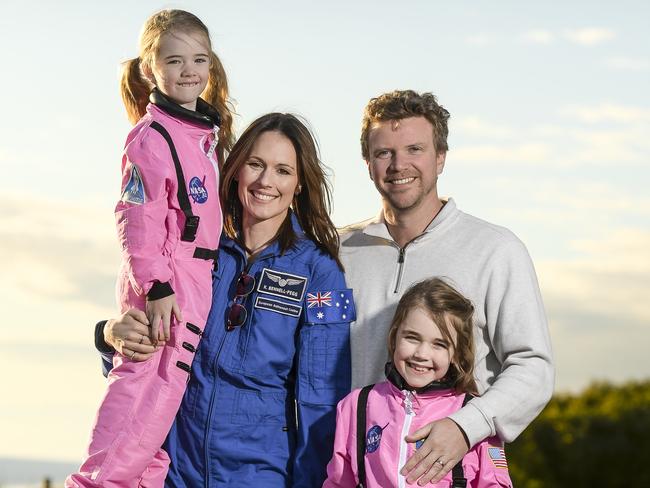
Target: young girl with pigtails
<point>169,222</point>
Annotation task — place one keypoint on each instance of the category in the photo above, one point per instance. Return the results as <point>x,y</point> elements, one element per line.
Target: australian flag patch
<point>327,306</point>
<point>134,188</point>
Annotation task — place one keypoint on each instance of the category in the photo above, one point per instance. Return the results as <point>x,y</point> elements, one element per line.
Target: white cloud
<point>597,307</point>
<point>479,39</point>
<point>534,152</point>
<point>475,125</point>
<point>627,64</point>
<point>607,112</point>
<point>539,36</point>
<point>589,36</point>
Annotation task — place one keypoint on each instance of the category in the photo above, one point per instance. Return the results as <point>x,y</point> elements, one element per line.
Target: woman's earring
<point>298,189</point>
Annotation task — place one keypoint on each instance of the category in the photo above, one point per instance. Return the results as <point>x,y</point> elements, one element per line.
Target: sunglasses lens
<point>236,316</point>
<point>245,285</point>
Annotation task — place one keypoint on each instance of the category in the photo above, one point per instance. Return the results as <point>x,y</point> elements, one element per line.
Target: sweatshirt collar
<point>205,114</point>
<point>378,228</point>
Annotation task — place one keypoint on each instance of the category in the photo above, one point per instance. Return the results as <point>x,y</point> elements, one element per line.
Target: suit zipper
<point>403,447</point>
<point>206,441</point>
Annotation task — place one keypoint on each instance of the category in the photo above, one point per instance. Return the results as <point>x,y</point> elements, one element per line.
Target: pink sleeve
<point>141,213</point>
<point>492,469</point>
<point>340,472</point>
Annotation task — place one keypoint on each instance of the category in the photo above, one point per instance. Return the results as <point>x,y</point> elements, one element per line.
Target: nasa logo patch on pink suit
<point>143,397</point>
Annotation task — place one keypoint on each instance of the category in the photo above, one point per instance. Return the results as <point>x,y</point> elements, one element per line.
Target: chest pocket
<point>266,343</point>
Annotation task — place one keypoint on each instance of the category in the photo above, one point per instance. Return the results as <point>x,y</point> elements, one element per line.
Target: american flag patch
<point>498,457</point>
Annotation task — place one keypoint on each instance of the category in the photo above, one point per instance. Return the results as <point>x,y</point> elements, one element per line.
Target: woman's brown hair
<point>447,308</point>
<point>135,87</point>
<point>311,205</point>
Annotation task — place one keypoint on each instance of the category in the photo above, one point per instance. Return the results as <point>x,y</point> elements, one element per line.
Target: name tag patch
<point>278,306</point>
<point>281,284</point>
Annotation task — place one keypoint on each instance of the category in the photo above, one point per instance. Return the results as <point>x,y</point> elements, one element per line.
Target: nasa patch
<point>134,188</point>
<point>198,192</point>
<point>373,438</point>
<point>281,284</point>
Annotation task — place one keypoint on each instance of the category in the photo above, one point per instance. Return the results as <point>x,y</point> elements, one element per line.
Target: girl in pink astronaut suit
<point>169,222</point>
<point>430,376</point>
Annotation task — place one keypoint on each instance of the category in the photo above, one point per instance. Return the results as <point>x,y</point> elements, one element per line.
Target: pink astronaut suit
<point>169,222</point>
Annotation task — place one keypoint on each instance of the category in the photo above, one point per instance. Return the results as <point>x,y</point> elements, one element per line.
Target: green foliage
<point>600,438</point>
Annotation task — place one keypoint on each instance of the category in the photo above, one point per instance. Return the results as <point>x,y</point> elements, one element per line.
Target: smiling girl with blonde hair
<point>169,222</point>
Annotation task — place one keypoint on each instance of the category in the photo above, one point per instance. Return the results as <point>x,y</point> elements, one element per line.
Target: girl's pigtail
<point>216,94</point>
<point>135,90</point>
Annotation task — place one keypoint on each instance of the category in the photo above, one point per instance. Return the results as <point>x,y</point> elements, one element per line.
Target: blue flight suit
<point>260,407</point>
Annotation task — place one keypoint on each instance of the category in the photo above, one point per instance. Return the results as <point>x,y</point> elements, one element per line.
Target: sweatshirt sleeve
<point>323,369</point>
<point>141,214</point>
<point>518,331</point>
<point>340,473</point>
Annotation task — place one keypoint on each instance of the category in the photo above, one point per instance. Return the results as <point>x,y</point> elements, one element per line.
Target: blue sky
<point>548,136</point>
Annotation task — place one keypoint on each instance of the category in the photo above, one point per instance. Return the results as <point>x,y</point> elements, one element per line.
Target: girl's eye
<point>440,345</point>
<point>201,60</point>
<point>254,164</point>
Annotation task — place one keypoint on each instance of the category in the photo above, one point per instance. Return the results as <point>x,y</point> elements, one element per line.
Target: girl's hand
<point>162,310</point>
<point>129,335</point>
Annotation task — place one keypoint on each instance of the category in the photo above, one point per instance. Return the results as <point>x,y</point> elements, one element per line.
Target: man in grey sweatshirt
<point>416,236</point>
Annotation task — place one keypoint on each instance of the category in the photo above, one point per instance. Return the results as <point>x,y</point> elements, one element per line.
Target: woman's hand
<point>162,310</point>
<point>130,335</point>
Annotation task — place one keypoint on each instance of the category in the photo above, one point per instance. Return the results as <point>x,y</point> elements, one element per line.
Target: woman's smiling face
<point>268,180</point>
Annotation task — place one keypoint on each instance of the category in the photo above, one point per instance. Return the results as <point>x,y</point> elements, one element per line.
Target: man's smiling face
<point>403,162</point>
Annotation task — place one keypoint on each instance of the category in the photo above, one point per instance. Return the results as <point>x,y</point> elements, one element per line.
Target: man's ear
<point>440,162</point>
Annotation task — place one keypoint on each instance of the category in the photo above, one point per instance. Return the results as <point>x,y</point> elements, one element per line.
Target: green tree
<point>600,437</point>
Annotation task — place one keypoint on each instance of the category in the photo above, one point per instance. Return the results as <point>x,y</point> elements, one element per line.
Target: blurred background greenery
<point>598,438</point>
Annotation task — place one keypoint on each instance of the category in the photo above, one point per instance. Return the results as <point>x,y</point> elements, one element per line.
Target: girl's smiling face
<point>422,354</point>
<point>181,67</point>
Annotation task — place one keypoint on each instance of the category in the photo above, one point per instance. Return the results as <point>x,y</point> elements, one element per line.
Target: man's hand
<point>444,446</point>
<point>129,335</point>
<point>162,310</point>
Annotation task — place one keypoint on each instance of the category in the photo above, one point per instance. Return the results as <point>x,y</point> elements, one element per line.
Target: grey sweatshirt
<point>490,266</point>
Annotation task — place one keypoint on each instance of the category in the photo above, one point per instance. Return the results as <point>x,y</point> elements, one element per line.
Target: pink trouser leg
<point>135,416</point>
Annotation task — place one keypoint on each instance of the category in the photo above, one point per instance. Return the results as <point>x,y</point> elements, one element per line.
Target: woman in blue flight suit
<point>274,358</point>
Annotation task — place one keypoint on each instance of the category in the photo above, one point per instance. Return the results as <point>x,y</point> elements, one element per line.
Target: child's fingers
<point>177,312</point>
<point>166,326</point>
<point>155,327</point>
